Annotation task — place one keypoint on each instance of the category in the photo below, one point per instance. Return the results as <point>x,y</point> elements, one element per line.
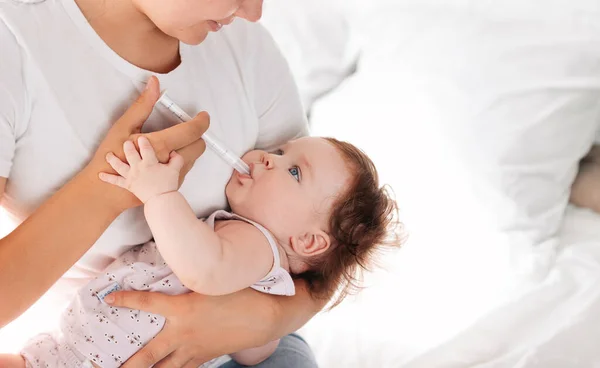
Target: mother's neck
<point>131,34</point>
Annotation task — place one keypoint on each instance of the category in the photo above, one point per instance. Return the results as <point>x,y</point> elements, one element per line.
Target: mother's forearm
<point>275,316</point>
<point>291,313</point>
<point>38,252</point>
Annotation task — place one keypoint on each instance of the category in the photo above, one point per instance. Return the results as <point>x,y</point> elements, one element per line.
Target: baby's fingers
<point>146,150</point>
<point>131,153</point>
<point>175,161</point>
<point>113,179</point>
<point>119,166</point>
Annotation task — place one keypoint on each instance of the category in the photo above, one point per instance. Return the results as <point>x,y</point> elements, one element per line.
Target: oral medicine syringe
<point>230,158</point>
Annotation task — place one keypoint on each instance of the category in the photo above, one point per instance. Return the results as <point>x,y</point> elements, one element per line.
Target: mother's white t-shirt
<point>61,88</point>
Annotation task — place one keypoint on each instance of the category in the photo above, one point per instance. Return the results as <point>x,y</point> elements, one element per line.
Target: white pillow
<point>316,39</point>
<point>515,91</point>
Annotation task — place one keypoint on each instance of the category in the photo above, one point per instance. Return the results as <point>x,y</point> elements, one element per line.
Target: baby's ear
<point>311,244</point>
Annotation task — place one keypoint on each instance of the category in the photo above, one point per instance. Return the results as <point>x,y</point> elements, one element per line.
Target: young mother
<point>67,71</point>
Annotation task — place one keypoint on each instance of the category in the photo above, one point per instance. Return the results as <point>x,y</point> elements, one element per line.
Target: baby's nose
<point>267,160</point>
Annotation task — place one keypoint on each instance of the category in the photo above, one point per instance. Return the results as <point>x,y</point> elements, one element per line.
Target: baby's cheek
<point>270,187</point>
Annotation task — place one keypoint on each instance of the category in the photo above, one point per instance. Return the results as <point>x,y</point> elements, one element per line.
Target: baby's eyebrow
<point>304,162</point>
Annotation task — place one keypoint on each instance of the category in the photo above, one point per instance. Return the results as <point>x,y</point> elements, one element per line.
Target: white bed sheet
<point>551,324</point>
<point>451,297</point>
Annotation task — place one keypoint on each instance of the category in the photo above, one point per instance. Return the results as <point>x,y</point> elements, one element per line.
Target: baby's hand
<point>143,175</point>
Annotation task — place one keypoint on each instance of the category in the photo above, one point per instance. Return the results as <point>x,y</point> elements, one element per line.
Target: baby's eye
<point>295,171</point>
<point>278,152</point>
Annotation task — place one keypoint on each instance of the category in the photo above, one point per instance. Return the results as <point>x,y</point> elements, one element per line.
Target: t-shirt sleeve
<point>317,40</point>
<point>12,97</point>
<point>276,98</point>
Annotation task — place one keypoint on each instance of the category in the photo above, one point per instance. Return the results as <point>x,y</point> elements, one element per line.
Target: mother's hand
<point>198,328</point>
<point>185,138</point>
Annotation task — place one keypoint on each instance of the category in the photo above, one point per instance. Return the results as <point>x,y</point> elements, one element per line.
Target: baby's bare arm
<point>206,261</point>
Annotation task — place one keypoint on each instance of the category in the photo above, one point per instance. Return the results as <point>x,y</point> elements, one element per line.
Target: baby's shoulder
<point>231,224</point>
<point>239,230</point>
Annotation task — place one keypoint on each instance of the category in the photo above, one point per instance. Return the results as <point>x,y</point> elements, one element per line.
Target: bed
<point>476,113</point>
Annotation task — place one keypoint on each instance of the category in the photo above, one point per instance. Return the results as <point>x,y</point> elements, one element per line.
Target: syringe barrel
<point>210,141</point>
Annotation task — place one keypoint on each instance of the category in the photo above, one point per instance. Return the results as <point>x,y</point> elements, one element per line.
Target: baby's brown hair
<point>364,220</point>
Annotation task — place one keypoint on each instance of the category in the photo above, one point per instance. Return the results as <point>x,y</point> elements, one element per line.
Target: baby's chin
<point>244,210</point>
<point>229,190</point>
<point>230,195</point>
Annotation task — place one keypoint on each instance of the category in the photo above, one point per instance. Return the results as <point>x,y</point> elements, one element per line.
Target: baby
<point>311,210</point>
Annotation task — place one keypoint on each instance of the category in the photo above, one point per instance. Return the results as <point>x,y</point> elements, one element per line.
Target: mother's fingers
<point>180,135</point>
<point>194,363</point>
<point>156,303</point>
<point>190,154</point>
<point>157,349</point>
<point>140,110</point>
<point>177,359</point>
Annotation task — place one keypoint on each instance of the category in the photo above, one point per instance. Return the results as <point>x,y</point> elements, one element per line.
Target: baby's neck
<point>285,260</point>
<point>290,262</point>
